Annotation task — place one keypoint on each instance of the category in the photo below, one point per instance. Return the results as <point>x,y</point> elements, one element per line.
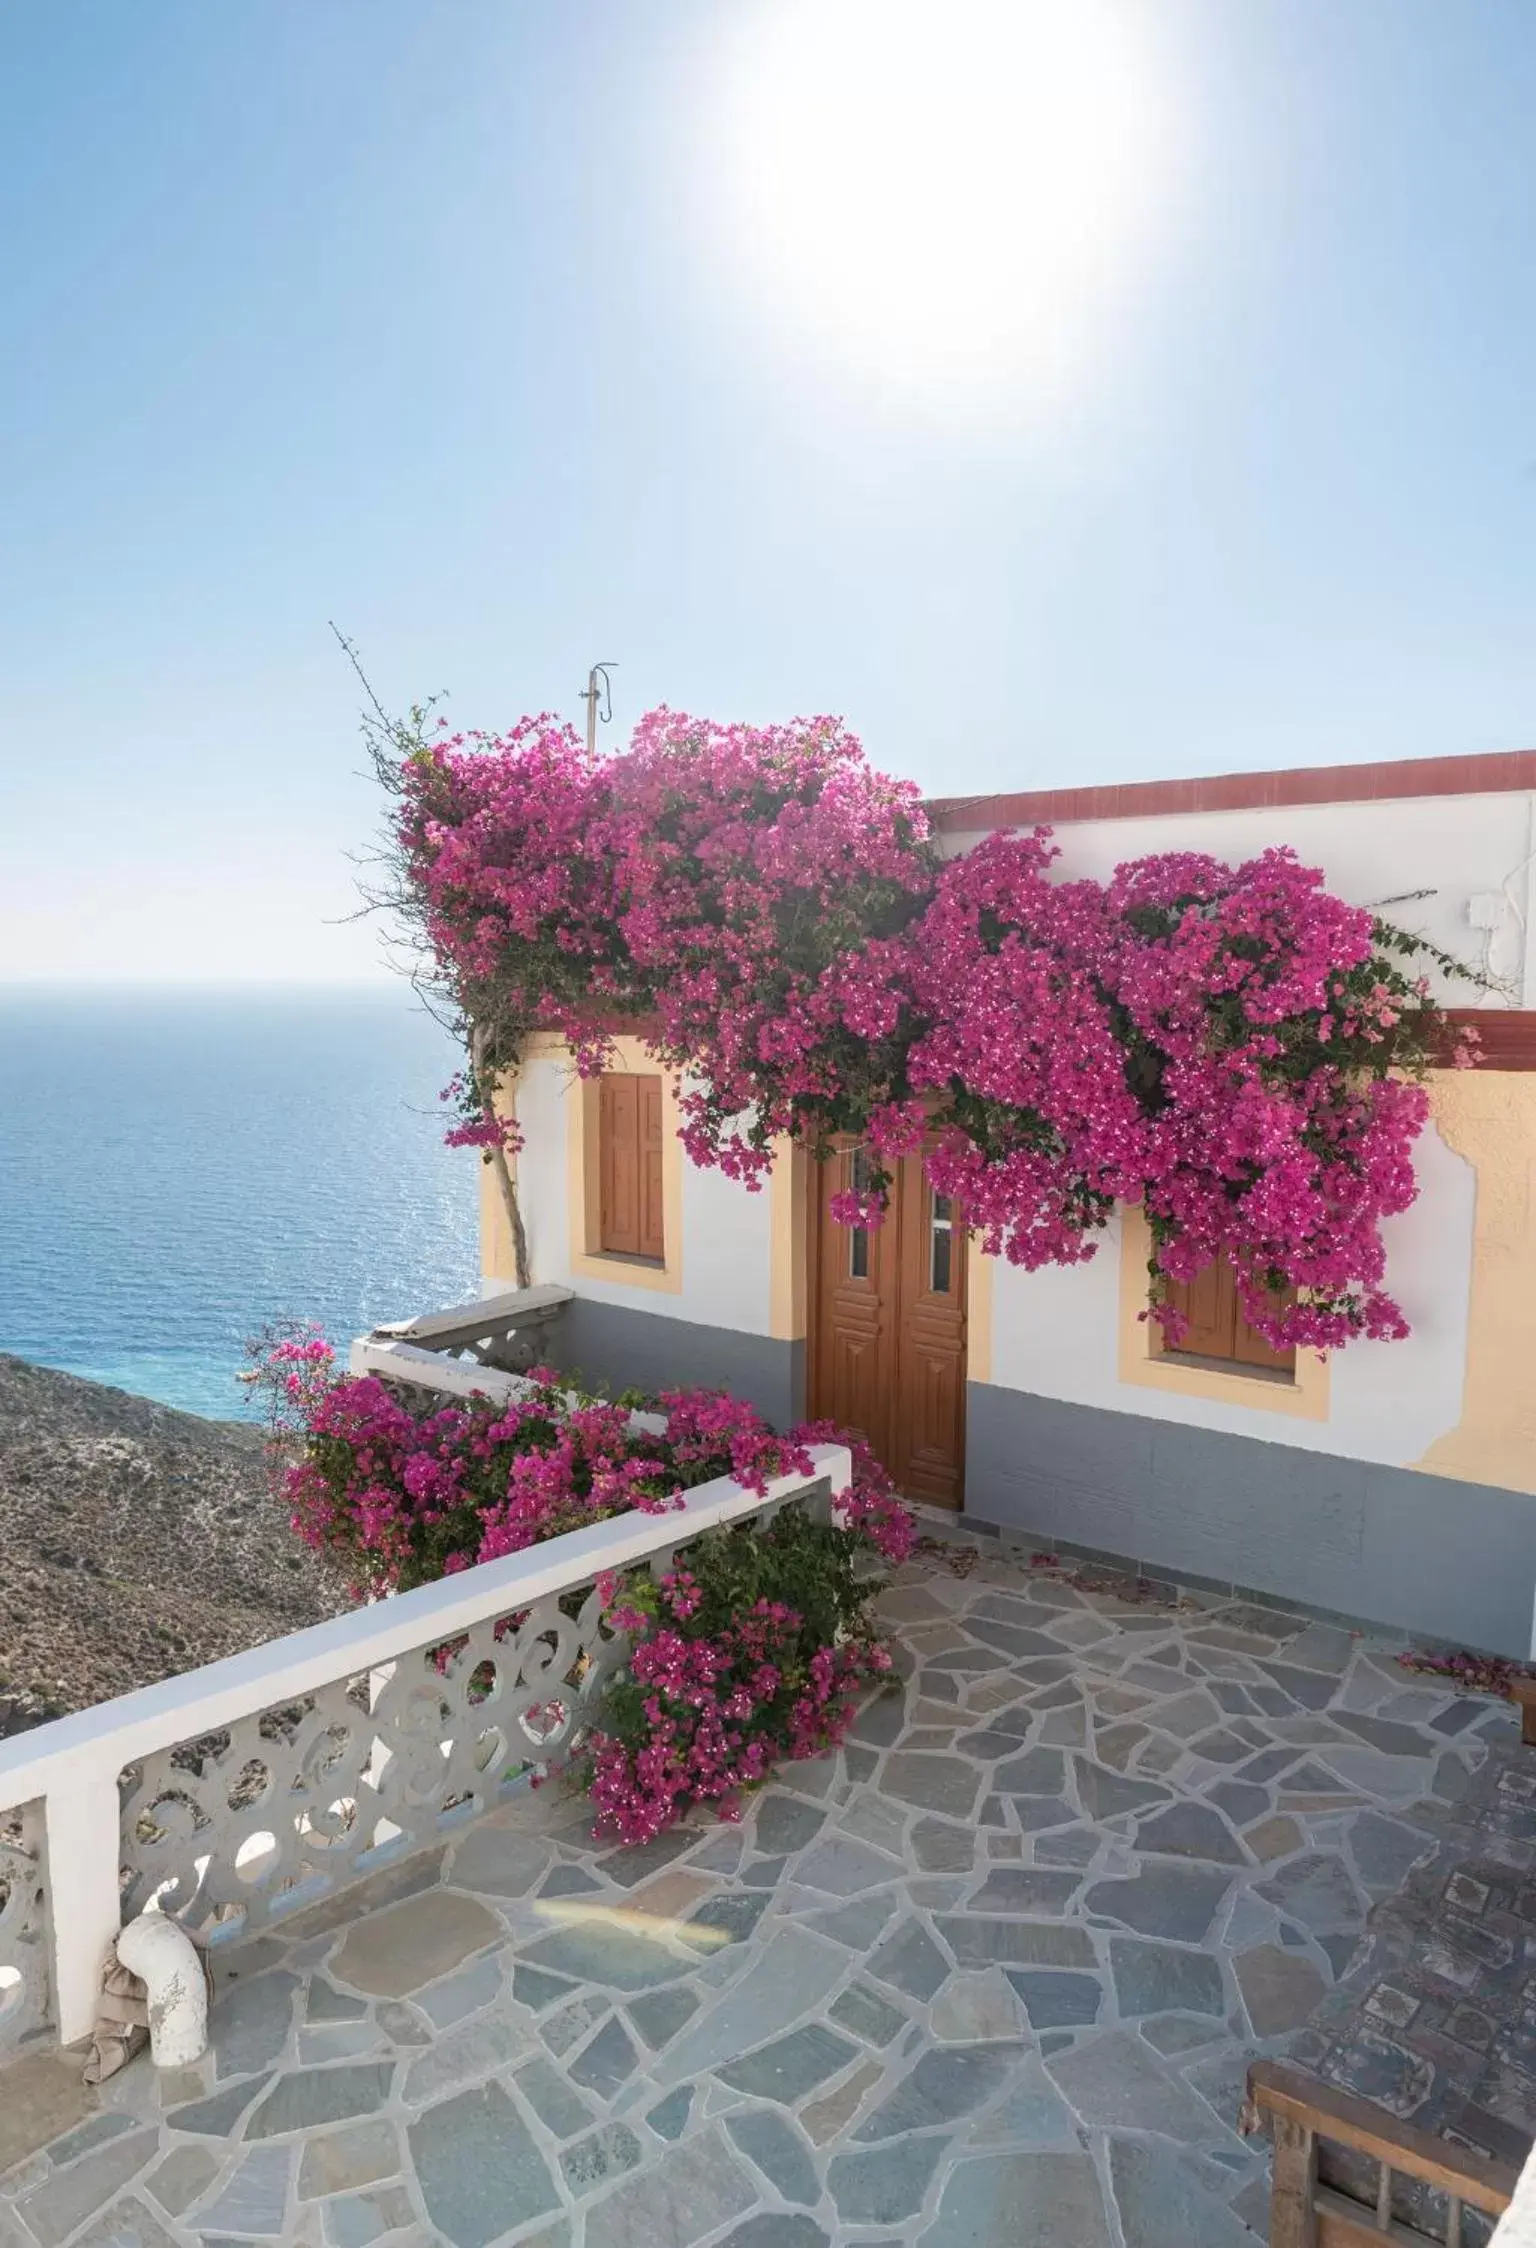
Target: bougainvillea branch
<point>1232,1048</point>
<point>756,1648</point>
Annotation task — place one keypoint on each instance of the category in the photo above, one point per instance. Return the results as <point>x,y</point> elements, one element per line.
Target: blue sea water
<point>179,1166</point>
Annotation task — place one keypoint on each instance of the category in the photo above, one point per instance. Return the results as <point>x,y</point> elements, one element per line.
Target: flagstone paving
<point>991,1973</point>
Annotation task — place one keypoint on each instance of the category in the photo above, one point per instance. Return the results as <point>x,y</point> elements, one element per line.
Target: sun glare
<point>946,201</point>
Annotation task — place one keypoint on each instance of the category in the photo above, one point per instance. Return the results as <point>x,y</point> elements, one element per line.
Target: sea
<point>180,1167</point>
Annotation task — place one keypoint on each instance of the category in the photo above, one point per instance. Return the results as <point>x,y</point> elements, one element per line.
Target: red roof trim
<point>1495,774</point>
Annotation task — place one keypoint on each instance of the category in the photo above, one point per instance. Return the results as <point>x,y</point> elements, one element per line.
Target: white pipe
<point>163,1956</point>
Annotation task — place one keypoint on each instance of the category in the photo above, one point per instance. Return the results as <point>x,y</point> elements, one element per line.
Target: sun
<point>946,202</point>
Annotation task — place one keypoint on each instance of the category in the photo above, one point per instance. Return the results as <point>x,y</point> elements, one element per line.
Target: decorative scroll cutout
<point>24,1994</point>
<point>234,1830</point>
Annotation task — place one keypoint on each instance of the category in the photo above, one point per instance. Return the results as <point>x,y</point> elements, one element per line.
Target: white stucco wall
<point>725,1249</point>
<point>1457,847</point>
<point>1057,1333</point>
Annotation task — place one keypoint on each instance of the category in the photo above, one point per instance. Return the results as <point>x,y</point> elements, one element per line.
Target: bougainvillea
<point>402,1496</point>
<point>756,1648</point>
<point>706,883</point>
<point>1213,1043</point>
<point>759,1648</point>
<point>1233,1048</point>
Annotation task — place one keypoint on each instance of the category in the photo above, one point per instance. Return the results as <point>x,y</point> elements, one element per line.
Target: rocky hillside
<point>134,1542</point>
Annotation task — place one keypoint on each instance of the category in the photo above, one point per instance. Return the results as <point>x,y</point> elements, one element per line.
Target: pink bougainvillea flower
<point>1225,1046</point>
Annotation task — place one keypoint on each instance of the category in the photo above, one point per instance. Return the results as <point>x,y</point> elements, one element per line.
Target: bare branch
<point>389,892</point>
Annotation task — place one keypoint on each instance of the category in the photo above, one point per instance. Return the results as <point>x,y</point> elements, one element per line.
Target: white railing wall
<point>351,1741</point>
<point>398,1361</point>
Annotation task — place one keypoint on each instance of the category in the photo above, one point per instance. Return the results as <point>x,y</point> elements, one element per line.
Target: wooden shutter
<point>1250,1349</point>
<point>619,1118</point>
<point>629,1167</point>
<point>1217,1328</point>
<point>653,1242</point>
<point>1208,1303</point>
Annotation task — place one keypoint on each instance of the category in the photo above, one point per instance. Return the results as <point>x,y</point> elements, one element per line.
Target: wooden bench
<point>1303,2116</point>
<point>1327,2140</point>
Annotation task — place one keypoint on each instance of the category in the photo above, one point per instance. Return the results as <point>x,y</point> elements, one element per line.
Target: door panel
<point>653,1241</point>
<point>619,1118</point>
<point>887,1348</point>
<point>928,1457</point>
<point>855,1379</point>
<point>851,1348</point>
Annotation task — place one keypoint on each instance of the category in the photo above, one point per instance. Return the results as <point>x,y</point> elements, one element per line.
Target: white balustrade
<point>240,1792</point>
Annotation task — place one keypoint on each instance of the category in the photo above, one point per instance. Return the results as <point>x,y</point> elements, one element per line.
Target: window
<point>629,1168</point>
<point>1218,1335</point>
<point>941,1244</point>
<point>624,1174</point>
<point>858,1235</point>
<point>1207,1365</point>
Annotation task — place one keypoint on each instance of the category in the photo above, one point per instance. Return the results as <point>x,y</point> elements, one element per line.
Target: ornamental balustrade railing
<point>24,1979</point>
<point>239,1793</point>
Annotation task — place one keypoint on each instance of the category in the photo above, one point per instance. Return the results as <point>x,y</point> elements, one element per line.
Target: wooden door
<point>887,1345</point>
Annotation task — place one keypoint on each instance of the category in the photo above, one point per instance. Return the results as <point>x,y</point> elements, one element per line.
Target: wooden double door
<point>887,1342</point>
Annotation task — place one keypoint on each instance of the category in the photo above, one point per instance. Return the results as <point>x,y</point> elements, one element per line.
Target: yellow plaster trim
<point>789,1210</point>
<point>978,1313</point>
<point>584,1180</point>
<point>1488,1117</point>
<point>1145,1364</point>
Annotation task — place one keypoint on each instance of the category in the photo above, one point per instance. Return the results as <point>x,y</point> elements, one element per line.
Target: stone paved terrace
<point>990,1975</point>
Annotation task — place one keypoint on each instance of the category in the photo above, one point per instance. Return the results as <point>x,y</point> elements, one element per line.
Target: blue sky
<point>450,323</point>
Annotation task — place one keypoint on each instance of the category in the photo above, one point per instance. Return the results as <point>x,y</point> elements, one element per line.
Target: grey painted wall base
<point>1420,1553</point>
<point>647,1350</point>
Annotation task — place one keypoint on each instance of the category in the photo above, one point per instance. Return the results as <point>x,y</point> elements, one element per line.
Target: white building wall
<point>1456,847</point>
<point>1056,1333</point>
<point>543,1090</point>
<point>727,1252</point>
<point>725,1249</point>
